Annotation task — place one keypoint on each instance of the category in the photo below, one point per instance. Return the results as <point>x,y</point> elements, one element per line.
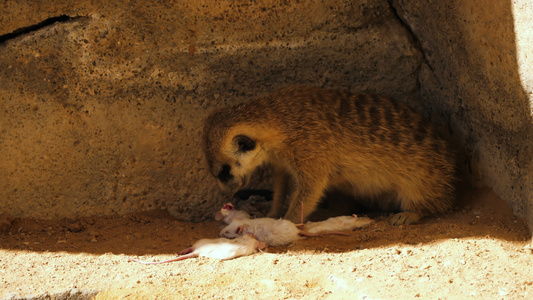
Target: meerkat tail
<point>308,234</point>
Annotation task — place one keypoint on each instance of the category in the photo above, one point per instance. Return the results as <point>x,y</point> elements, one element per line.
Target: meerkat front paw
<point>296,218</point>
<point>405,218</point>
<point>273,215</point>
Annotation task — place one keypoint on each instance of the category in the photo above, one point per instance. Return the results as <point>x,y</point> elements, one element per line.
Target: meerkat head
<point>232,158</point>
<point>240,158</point>
<point>234,146</point>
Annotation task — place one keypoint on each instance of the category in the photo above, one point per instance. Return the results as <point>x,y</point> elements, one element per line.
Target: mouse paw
<point>405,218</point>
<point>186,251</point>
<point>300,226</point>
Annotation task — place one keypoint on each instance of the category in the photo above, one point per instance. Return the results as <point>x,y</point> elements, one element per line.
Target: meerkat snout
<point>226,181</point>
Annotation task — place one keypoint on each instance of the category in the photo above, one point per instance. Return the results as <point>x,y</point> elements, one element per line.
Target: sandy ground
<point>479,251</point>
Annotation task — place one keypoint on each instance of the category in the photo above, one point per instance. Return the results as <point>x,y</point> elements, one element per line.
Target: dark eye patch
<point>224,175</point>
<point>245,143</point>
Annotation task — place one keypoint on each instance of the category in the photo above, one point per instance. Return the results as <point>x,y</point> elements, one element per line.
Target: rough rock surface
<point>477,76</point>
<point>102,102</point>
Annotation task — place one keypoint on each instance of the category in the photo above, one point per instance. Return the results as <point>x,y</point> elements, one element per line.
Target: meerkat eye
<point>224,175</point>
<point>244,143</point>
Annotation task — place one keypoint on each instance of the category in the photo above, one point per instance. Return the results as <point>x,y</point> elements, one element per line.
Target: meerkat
<point>371,147</point>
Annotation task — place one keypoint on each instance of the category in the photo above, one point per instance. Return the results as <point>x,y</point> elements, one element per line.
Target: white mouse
<point>273,232</point>
<point>342,223</point>
<point>220,248</point>
<point>228,213</point>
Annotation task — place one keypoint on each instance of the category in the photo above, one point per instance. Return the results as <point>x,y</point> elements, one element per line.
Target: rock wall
<point>478,76</point>
<point>102,102</point>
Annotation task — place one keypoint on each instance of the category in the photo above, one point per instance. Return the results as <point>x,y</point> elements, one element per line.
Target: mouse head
<point>234,229</point>
<point>258,245</point>
<point>228,206</point>
<point>224,211</point>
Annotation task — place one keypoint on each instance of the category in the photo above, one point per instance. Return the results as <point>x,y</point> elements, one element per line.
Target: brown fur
<point>369,146</point>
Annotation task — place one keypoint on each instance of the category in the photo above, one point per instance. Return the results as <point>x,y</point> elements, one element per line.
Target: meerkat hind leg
<point>405,218</point>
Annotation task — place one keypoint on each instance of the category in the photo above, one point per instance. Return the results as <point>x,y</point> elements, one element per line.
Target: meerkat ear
<point>244,143</point>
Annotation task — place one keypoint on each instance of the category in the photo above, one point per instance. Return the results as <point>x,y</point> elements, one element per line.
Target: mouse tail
<point>190,255</point>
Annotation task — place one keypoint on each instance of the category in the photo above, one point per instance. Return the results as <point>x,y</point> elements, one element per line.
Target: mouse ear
<point>218,216</point>
<point>228,206</point>
<point>240,230</point>
<point>261,245</point>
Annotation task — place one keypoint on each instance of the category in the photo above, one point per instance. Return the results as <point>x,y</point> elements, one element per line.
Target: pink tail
<point>190,255</point>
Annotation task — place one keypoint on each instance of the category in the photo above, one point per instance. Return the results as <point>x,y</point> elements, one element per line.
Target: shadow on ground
<point>480,213</point>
